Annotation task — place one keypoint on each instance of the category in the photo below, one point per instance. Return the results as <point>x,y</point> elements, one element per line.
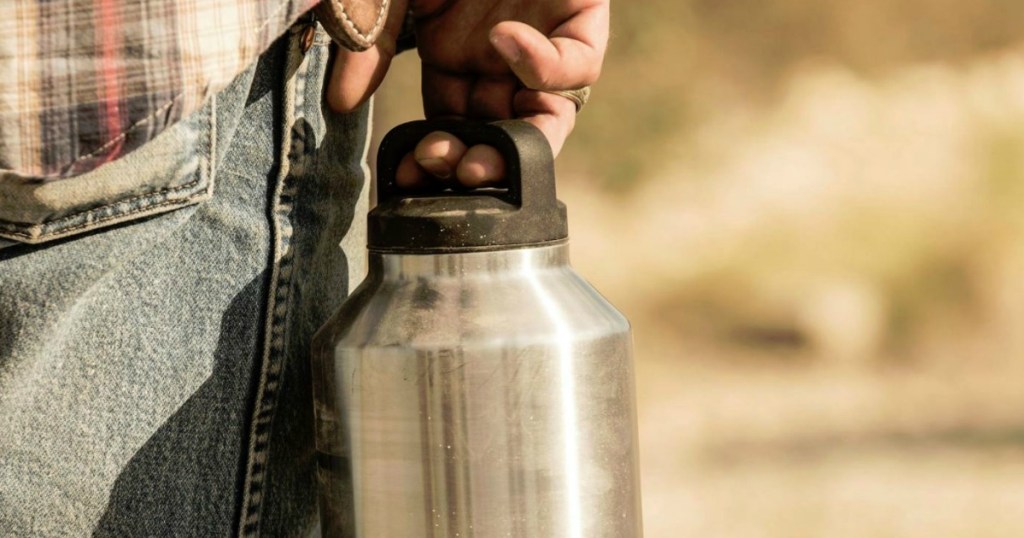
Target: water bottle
<point>474,385</point>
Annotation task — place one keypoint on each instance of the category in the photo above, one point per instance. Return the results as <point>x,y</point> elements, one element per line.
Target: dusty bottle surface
<point>471,387</point>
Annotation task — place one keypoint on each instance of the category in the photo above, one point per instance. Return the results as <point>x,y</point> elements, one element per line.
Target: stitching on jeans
<point>127,131</point>
<point>376,25</point>
<point>278,296</point>
<point>10,229</point>
<point>102,220</point>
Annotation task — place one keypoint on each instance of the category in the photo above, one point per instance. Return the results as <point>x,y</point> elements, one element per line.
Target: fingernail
<point>437,167</point>
<point>507,47</point>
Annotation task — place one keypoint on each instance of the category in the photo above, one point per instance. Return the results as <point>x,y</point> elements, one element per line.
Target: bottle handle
<point>441,219</point>
<point>525,149</point>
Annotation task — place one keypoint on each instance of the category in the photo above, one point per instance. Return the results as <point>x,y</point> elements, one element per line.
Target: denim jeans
<point>156,315</point>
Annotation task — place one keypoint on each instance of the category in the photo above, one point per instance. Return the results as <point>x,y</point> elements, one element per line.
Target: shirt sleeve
<point>84,82</point>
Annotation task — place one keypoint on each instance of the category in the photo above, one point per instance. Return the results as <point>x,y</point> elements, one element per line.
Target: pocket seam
<point>124,134</point>
<point>186,201</point>
<point>206,170</point>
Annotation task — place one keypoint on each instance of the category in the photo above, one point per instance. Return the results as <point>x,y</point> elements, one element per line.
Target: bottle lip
<point>407,266</point>
<point>433,251</point>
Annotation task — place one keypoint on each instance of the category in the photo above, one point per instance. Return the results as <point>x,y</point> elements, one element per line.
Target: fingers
<point>482,166</point>
<point>356,75</point>
<point>445,95</point>
<point>439,154</point>
<point>570,59</point>
<point>409,175</point>
<point>554,115</point>
<point>444,157</point>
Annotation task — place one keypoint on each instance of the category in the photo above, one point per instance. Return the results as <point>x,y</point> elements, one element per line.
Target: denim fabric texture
<point>154,374</point>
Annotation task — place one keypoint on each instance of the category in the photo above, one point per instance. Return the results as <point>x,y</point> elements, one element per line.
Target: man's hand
<point>483,60</point>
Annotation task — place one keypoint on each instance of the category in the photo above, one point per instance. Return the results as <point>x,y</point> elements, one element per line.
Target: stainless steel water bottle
<point>474,385</point>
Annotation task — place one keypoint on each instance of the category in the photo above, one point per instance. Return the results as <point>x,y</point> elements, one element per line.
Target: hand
<point>483,60</point>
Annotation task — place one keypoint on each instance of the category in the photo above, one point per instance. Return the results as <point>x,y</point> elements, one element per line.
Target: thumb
<point>356,75</point>
<point>570,58</point>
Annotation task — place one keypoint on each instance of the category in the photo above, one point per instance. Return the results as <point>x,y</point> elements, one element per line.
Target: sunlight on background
<point>813,213</point>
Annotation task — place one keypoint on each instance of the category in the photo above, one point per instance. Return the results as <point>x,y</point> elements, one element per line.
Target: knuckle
<point>543,79</point>
<point>591,75</point>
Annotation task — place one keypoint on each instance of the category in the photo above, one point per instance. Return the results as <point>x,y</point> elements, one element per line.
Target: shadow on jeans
<point>173,485</point>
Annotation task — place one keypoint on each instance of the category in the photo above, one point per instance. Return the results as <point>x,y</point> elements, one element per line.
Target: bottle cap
<point>443,219</point>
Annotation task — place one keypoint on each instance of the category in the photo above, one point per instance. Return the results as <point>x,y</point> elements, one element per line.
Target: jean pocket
<point>172,171</point>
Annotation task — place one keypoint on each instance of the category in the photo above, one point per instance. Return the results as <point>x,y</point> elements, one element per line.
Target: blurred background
<point>813,213</point>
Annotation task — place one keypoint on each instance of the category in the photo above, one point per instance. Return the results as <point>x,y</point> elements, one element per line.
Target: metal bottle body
<point>484,394</point>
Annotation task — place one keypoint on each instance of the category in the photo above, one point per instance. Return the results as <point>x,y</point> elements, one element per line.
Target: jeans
<point>154,371</point>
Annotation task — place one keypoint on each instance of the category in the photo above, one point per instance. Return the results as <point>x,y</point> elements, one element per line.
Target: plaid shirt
<point>83,82</point>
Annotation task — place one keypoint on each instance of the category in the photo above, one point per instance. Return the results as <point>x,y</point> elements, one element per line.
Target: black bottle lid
<point>446,220</point>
